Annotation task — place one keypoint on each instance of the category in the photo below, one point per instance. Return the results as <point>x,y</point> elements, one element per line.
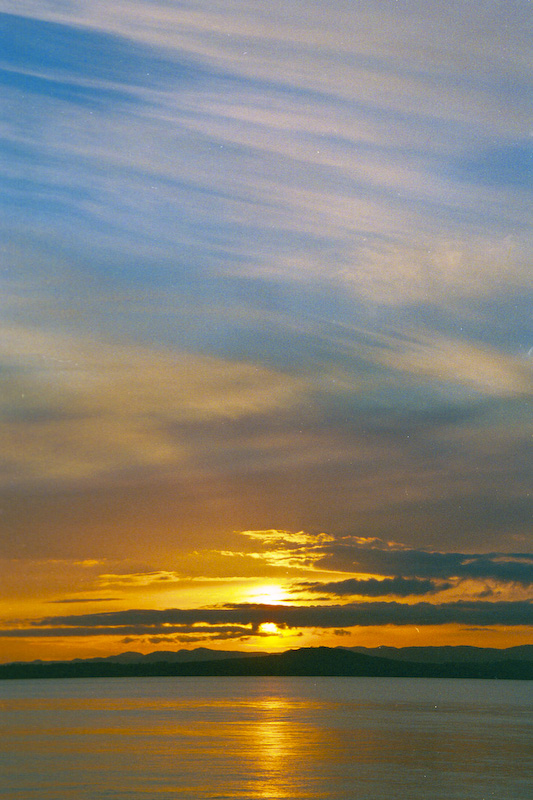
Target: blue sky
<point>263,267</point>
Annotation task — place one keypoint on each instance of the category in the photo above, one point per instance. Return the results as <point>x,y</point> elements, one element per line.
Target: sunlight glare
<point>269,627</point>
<point>269,594</point>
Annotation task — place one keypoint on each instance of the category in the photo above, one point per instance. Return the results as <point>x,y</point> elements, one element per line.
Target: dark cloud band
<point>505,567</point>
<point>251,616</point>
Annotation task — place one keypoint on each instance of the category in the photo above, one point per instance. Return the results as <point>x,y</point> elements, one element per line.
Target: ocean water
<point>278,738</point>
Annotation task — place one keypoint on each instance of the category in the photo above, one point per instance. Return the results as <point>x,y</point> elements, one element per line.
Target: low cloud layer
<point>249,617</point>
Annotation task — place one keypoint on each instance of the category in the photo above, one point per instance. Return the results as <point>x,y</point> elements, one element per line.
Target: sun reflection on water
<point>272,741</point>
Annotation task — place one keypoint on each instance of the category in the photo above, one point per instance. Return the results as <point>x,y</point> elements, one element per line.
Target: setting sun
<point>269,627</point>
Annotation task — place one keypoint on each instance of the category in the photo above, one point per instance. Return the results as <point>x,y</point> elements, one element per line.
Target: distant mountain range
<point>174,656</point>
<point>515,663</point>
<point>445,655</point>
<point>427,655</point>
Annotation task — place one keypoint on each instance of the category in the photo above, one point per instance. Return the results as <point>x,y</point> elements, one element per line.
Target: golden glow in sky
<point>269,594</point>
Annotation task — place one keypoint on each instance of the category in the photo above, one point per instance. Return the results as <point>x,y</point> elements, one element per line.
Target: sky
<point>266,346</point>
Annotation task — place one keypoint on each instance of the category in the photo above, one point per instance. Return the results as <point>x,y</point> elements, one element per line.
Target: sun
<point>269,628</point>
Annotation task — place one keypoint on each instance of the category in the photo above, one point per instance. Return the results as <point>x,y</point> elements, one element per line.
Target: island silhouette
<point>511,664</point>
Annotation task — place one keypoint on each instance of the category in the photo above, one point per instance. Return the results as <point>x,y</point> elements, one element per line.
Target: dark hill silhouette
<point>197,654</point>
<point>430,655</point>
<point>449,654</point>
<point>312,662</point>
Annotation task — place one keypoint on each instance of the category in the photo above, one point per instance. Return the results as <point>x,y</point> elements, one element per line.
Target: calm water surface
<point>250,738</point>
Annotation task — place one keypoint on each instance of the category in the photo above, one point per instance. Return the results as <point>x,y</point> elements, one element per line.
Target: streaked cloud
<point>485,370</point>
<point>322,149</point>
<point>398,587</point>
<point>75,600</point>
<point>74,410</point>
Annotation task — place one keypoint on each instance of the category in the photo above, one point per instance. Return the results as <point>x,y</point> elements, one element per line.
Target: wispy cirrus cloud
<point>453,361</point>
<point>322,190</point>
